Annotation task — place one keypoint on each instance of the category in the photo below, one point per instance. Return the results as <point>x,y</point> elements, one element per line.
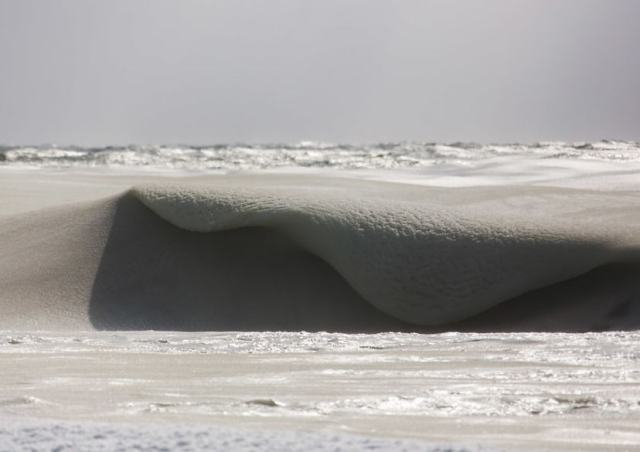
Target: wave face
<point>430,256</point>
<point>309,155</point>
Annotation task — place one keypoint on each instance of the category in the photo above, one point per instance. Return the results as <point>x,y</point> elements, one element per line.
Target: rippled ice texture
<point>555,391</point>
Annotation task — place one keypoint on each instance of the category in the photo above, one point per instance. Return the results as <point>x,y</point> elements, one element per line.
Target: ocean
<point>310,154</point>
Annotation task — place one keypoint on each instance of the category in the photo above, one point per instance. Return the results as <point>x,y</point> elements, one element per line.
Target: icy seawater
<point>537,390</point>
<point>234,157</point>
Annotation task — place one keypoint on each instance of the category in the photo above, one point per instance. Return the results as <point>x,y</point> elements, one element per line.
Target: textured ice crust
<point>426,257</point>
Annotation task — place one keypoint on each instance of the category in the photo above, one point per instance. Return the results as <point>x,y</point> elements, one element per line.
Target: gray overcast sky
<point>196,71</point>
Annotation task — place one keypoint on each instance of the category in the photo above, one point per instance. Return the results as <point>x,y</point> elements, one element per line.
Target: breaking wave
<point>290,253</point>
<point>431,257</point>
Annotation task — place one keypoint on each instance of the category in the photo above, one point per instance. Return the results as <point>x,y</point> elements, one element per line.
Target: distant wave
<point>232,157</point>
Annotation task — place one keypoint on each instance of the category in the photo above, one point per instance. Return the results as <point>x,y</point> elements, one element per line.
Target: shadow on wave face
<point>604,299</point>
<point>154,275</point>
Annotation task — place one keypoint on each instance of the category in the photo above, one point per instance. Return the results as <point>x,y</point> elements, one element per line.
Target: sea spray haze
<point>354,71</point>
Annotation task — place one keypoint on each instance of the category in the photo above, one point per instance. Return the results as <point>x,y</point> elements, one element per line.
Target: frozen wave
<point>427,257</point>
<point>302,253</point>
